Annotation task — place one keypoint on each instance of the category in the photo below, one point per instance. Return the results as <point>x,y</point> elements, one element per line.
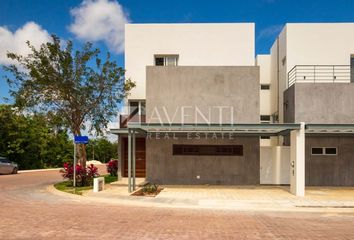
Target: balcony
<point>132,118</point>
<point>319,74</point>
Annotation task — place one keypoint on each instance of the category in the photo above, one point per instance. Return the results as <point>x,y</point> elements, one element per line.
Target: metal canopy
<point>251,129</point>
<point>258,129</point>
<point>329,129</point>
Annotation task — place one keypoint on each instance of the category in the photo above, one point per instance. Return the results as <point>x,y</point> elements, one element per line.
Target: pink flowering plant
<point>112,167</point>
<point>92,171</point>
<point>84,177</point>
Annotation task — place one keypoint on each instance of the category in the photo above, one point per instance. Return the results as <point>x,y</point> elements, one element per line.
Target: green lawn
<point>66,186</point>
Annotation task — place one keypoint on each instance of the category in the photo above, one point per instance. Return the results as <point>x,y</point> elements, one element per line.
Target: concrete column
<point>297,161</point>
<point>129,160</point>
<point>133,159</point>
<point>120,158</point>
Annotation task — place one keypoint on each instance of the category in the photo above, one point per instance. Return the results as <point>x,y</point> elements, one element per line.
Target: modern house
<point>207,111</point>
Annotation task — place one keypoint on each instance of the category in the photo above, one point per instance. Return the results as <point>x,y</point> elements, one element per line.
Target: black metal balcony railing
<point>319,74</point>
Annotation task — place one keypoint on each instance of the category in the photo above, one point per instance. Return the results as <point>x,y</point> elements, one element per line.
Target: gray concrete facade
<point>330,170</point>
<point>165,168</point>
<point>206,88</point>
<point>324,103</point>
<point>319,103</point>
<point>202,94</point>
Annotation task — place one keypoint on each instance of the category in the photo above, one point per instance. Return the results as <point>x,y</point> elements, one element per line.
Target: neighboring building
<point>317,89</point>
<point>308,53</point>
<point>204,78</point>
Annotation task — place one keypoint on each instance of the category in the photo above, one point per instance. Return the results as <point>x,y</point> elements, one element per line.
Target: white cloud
<point>100,20</point>
<point>270,31</point>
<point>16,41</point>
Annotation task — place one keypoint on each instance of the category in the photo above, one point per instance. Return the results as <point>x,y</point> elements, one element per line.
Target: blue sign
<point>81,139</point>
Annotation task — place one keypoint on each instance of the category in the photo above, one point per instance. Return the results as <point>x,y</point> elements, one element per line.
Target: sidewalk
<point>246,198</point>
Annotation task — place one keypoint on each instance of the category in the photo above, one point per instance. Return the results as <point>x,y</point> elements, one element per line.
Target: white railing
<point>319,74</point>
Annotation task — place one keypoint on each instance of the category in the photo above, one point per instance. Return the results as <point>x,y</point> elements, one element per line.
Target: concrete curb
<point>169,203</point>
<point>39,170</point>
<point>49,169</point>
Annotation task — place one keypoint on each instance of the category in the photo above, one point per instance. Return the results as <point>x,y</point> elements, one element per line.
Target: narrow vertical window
<point>352,68</point>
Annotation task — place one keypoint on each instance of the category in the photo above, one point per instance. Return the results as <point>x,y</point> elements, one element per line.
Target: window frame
<point>265,121</point>
<point>265,137</point>
<point>207,150</point>
<point>265,86</point>
<point>165,59</point>
<point>139,111</point>
<point>324,151</point>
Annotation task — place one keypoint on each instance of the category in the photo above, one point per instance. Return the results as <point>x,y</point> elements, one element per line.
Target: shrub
<point>112,167</point>
<point>84,177</point>
<point>150,188</point>
<point>92,171</point>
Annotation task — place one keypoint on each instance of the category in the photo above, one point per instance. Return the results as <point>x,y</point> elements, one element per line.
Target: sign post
<point>78,140</point>
<point>74,167</point>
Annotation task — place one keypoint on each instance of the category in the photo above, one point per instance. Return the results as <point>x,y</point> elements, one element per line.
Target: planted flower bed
<point>84,177</point>
<point>148,190</point>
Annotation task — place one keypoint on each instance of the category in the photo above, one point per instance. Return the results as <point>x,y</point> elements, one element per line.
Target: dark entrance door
<point>140,167</point>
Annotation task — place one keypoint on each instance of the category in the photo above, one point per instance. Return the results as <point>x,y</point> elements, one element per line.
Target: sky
<point>102,21</point>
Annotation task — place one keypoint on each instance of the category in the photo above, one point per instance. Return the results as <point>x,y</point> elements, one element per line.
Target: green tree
<point>102,150</point>
<point>32,140</point>
<point>70,85</point>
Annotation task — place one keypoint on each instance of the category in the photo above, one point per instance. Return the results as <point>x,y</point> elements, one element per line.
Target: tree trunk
<point>81,150</point>
<point>83,157</point>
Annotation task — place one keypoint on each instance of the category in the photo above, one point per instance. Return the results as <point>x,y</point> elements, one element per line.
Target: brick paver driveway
<point>28,211</point>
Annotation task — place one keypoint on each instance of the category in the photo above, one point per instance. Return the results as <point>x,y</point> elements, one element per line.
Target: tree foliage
<point>74,87</point>
<point>32,141</point>
<point>102,150</point>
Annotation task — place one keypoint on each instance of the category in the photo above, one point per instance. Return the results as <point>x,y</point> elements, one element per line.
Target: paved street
<point>28,211</point>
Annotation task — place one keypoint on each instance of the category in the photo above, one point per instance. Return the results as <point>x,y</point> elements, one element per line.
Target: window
<point>331,151</point>
<point>324,151</point>
<point>265,86</point>
<point>159,61</point>
<point>265,137</point>
<point>317,151</point>
<point>133,107</point>
<point>142,106</point>
<point>207,150</point>
<point>166,60</point>
<point>137,111</point>
<point>352,68</point>
<point>265,118</point>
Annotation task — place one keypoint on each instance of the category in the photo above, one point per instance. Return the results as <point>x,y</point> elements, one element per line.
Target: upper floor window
<point>265,86</point>
<point>166,60</point>
<point>352,68</point>
<point>265,118</point>
<point>136,107</point>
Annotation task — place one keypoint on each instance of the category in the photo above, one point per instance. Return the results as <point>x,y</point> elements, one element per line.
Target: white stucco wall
<point>274,165</point>
<point>319,44</point>
<point>265,103</point>
<point>309,44</point>
<point>196,44</point>
<point>263,61</point>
